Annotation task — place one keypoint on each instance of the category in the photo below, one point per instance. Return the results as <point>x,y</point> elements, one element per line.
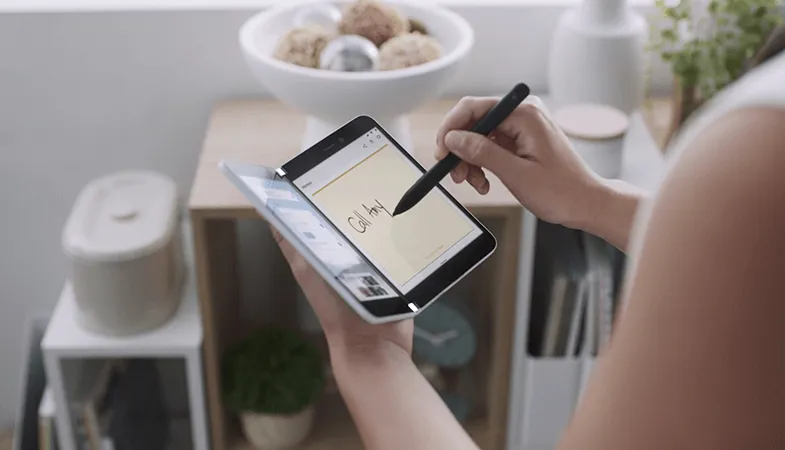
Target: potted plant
<point>271,380</point>
<point>708,45</point>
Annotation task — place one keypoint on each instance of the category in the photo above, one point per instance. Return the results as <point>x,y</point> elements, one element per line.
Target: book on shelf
<point>118,404</point>
<point>47,429</point>
<point>600,269</point>
<point>97,409</point>
<point>92,404</point>
<point>558,293</point>
<point>566,296</point>
<point>575,293</point>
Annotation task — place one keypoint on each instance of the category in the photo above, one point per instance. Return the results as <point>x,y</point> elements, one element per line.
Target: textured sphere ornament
<point>303,45</point>
<point>373,20</point>
<point>408,50</point>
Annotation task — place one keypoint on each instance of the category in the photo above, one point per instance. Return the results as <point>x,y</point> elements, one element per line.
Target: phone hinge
<point>280,172</point>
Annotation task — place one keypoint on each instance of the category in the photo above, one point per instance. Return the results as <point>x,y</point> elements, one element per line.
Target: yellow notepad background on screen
<point>360,202</point>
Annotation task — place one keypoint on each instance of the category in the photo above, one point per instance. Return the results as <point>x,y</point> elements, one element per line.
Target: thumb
<point>479,150</point>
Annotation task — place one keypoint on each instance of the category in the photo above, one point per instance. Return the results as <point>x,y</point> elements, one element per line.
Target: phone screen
<point>357,189</point>
<point>288,205</point>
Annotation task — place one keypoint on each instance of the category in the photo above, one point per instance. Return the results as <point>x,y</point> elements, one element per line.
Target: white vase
<point>277,432</point>
<point>598,56</point>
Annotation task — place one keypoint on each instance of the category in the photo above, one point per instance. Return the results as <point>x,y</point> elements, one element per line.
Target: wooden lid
<point>592,121</point>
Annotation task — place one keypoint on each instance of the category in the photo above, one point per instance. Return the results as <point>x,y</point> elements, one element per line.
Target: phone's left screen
<point>296,213</point>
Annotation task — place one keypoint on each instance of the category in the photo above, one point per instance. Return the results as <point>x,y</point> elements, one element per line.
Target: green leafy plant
<point>709,44</point>
<point>275,371</point>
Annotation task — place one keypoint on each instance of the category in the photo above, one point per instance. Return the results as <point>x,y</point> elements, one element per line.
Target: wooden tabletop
<point>268,133</point>
<point>6,439</point>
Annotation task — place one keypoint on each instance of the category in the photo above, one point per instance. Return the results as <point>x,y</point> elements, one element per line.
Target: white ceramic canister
<point>597,132</point>
<point>123,243</point>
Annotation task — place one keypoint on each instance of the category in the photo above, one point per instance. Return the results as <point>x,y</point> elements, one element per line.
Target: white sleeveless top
<point>763,86</point>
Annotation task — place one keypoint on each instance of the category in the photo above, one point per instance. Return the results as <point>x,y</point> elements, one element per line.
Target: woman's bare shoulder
<point>697,357</point>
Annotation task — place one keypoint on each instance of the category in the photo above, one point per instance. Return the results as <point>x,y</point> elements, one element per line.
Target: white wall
<point>85,93</point>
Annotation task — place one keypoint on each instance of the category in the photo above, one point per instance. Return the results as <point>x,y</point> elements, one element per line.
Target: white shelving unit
<point>181,337</point>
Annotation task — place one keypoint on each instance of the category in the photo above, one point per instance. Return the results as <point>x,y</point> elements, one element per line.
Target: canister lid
<point>122,216</point>
<point>592,121</point>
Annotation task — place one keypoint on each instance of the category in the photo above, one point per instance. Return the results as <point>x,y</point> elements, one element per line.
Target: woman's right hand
<point>528,153</point>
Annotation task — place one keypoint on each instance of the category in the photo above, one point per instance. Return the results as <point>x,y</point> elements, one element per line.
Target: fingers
<point>473,174</point>
<point>478,180</point>
<point>297,263</point>
<point>286,248</point>
<point>461,117</point>
<point>460,172</point>
<point>480,151</point>
<point>469,110</point>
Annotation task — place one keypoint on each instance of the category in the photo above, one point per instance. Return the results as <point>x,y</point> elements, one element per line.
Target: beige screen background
<point>360,203</point>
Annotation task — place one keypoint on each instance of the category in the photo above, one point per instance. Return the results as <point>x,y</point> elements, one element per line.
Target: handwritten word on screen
<point>360,201</point>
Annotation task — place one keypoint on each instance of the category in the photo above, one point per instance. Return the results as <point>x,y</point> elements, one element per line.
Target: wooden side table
<point>267,133</point>
<point>6,439</point>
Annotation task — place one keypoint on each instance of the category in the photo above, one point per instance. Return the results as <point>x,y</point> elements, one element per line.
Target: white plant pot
<point>274,432</point>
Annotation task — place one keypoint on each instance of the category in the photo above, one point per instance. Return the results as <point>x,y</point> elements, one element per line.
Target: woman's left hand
<point>341,324</point>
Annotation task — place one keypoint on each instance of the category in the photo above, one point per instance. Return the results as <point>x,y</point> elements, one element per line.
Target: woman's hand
<point>529,154</point>
<point>342,326</point>
<point>390,401</point>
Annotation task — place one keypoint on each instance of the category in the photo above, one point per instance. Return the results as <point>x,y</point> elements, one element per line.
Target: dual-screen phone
<point>334,202</point>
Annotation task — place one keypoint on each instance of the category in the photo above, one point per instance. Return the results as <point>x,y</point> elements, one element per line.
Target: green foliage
<point>275,371</point>
<point>709,43</point>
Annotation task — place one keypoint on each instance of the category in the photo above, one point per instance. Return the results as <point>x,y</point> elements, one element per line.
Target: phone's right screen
<point>357,190</point>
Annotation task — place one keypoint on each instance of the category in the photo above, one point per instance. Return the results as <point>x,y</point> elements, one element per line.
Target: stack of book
<point>576,291</point>
<point>120,406</point>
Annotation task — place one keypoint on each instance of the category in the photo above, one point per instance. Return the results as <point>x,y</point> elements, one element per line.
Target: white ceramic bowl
<point>331,98</point>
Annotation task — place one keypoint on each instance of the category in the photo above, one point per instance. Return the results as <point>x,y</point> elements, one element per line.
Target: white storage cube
<point>586,370</point>
<point>550,396</point>
<point>124,247</point>
<point>72,353</point>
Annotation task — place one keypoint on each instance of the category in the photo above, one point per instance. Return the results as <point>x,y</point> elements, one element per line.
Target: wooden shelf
<point>334,429</point>
<point>6,439</point>
<point>267,133</point>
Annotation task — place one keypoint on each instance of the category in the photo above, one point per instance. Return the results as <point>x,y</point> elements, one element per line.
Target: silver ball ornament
<point>350,53</point>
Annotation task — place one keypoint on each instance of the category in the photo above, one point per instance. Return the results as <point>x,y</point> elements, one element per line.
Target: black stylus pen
<point>485,126</point>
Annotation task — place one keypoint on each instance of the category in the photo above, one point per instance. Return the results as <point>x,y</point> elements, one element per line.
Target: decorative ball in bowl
<point>335,60</point>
